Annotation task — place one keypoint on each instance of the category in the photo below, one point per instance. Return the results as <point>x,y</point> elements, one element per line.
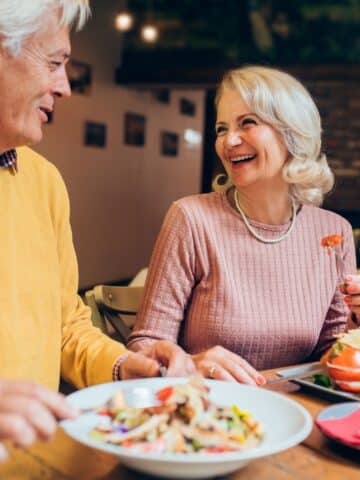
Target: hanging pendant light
<point>124,21</point>
<point>149,33</point>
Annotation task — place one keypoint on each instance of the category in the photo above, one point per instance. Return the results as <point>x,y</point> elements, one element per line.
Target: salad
<point>185,421</point>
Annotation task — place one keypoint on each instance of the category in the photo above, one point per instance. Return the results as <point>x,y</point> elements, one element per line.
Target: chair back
<point>116,305</point>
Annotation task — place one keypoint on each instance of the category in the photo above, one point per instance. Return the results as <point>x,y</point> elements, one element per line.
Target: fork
<point>340,264</point>
<point>138,397</point>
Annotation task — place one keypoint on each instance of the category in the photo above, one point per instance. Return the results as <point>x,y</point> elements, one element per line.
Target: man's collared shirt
<point>8,159</point>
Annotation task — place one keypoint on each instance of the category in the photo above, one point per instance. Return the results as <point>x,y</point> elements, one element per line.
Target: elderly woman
<point>239,277</point>
<point>45,329</point>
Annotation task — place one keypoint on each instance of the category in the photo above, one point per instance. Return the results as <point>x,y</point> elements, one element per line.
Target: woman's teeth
<point>244,158</point>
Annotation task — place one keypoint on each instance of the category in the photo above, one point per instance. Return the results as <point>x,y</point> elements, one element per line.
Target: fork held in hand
<point>340,264</point>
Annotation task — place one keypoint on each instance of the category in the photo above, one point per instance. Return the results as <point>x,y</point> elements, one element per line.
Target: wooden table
<point>65,459</point>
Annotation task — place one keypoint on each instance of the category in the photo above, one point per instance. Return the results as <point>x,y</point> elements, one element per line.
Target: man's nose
<point>62,87</point>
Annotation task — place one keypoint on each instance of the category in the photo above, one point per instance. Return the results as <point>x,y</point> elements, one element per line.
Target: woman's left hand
<point>222,364</point>
<point>351,290</point>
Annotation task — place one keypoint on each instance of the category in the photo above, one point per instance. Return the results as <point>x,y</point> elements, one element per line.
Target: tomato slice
<point>165,393</point>
<point>217,449</point>
<point>105,412</point>
<point>343,364</point>
<point>353,387</point>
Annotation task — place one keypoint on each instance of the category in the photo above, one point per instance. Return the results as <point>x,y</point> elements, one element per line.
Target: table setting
<point>290,414</point>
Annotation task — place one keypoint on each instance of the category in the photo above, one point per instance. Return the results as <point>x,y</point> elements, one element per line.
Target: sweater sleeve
<point>169,283</point>
<point>87,355</point>
<point>337,317</point>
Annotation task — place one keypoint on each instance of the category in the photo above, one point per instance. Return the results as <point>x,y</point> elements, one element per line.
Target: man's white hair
<point>19,19</point>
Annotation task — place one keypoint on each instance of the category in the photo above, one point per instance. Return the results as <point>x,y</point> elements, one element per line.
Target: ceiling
<point>200,39</point>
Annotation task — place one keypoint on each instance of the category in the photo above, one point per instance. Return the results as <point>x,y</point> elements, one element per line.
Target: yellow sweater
<point>45,327</point>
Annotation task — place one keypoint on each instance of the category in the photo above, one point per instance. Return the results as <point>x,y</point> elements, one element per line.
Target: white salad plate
<point>285,423</point>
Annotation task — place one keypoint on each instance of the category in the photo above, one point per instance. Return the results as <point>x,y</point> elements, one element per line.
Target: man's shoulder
<point>34,163</point>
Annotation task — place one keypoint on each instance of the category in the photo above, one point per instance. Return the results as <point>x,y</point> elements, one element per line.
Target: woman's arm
<point>338,316</point>
<point>169,283</point>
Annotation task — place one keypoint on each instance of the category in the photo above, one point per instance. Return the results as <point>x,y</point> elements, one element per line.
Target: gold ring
<point>211,371</point>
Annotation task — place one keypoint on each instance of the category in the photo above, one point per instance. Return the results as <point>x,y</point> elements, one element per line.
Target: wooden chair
<point>116,305</point>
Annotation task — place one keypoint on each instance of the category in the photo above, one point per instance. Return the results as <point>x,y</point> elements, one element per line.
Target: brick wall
<point>336,90</point>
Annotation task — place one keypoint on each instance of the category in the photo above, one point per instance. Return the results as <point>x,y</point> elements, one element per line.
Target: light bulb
<point>124,21</point>
<point>149,33</point>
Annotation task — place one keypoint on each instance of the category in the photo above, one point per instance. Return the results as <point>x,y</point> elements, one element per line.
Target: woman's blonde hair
<point>280,100</point>
<point>19,19</point>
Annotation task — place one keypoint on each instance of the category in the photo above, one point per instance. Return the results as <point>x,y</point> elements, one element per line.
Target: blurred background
<point>138,132</point>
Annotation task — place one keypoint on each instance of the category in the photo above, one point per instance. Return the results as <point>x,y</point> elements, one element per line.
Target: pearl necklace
<point>257,235</point>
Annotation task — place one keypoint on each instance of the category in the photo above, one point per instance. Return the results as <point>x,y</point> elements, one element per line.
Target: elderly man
<point>45,328</point>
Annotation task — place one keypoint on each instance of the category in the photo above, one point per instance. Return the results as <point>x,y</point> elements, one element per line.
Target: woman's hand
<point>29,412</point>
<point>351,289</point>
<point>221,364</point>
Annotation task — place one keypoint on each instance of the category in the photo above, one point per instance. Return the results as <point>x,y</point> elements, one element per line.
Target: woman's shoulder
<point>200,201</point>
<point>202,208</point>
<point>324,216</point>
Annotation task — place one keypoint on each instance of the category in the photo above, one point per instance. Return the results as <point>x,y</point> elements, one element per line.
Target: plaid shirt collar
<point>8,159</point>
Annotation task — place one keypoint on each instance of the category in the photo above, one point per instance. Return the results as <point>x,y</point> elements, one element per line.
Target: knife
<point>274,382</point>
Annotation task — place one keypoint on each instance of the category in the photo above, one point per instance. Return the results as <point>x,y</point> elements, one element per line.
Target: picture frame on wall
<point>95,134</point>
<point>187,107</point>
<point>162,95</point>
<point>80,77</point>
<point>169,143</point>
<point>134,129</point>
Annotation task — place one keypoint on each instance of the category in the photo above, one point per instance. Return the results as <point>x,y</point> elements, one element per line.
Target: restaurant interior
<point>137,135</point>
<point>138,132</point>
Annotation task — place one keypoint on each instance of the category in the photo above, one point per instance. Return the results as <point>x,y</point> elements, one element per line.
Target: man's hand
<point>29,412</point>
<point>162,353</point>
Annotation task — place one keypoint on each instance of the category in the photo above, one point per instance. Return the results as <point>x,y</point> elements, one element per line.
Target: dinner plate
<point>339,410</point>
<point>308,381</point>
<point>285,423</point>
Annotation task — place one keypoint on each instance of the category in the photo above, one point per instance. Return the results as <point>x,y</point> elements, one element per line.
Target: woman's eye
<point>248,121</point>
<point>219,130</point>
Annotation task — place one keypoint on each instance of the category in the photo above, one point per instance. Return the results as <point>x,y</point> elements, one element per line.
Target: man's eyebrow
<point>62,53</point>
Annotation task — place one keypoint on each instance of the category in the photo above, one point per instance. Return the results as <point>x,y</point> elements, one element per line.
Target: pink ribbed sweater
<point>210,282</point>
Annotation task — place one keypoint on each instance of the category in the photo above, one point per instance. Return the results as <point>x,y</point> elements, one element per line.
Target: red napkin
<point>345,429</point>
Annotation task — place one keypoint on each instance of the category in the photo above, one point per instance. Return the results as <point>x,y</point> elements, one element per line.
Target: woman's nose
<point>233,139</point>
